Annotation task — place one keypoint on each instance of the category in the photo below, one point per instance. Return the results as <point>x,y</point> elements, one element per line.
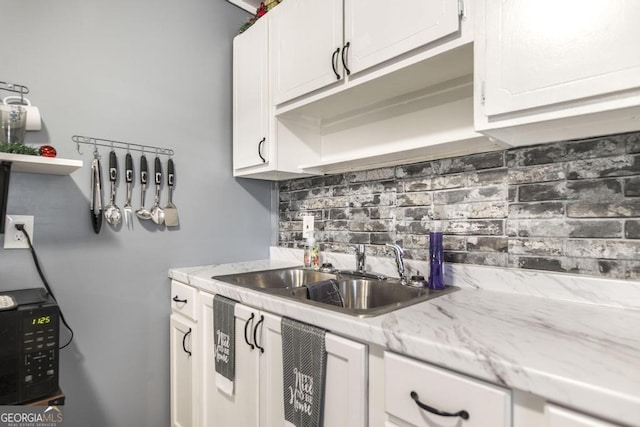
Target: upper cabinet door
<point>304,41</point>
<point>378,30</point>
<point>546,52</point>
<point>251,139</point>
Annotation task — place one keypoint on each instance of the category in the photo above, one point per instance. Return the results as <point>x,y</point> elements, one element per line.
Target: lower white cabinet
<point>183,375</point>
<point>534,411</point>
<point>258,396</point>
<point>362,389</point>
<point>419,394</point>
<point>561,417</point>
<point>345,397</point>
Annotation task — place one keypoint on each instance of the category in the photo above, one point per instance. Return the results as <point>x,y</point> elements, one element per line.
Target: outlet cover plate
<point>307,226</point>
<point>14,239</point>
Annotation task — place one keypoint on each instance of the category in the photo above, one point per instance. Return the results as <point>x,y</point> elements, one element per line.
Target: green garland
<point>18,149</point>
<point>244,27</point>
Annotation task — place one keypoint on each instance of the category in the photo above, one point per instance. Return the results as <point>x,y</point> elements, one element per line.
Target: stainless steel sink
<point>365,298</point>
<point>281,278</point>
<point>362,297</point>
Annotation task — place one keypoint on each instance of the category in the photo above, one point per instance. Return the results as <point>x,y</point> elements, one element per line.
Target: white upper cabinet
<point>314,46</point>
<point>252,141</point>
<point>547,61</point>
<point>257,152</point>
<point>306,42</point>
<point>561,51</point>
<point>378,30</point>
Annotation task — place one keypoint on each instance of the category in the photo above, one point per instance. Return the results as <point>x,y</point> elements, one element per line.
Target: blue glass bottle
<point>436,261</point>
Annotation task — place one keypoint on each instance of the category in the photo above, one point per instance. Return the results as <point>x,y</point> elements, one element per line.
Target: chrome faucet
<point>360,258</point>
<point>399,253</point>
<point>361,270</point>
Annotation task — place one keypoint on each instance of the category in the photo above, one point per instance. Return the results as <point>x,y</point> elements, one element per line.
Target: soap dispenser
<point>311,253</point>
<point>436,261</point>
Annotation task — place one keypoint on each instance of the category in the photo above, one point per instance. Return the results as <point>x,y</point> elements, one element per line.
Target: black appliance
<point>29,341</point>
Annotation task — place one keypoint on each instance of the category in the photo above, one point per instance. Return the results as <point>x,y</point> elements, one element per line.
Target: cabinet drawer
<point>183,299</point>
<point>561,417</point>
<point>486,404</point>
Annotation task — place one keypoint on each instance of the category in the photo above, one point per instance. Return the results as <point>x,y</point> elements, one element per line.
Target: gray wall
<point>154,72</point>
<point>568,206</point>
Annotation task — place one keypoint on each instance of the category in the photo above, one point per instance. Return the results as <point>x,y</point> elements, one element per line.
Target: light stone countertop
<point>575,353</point>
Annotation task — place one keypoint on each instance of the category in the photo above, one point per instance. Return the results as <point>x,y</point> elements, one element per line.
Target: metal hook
<point>78,148</point>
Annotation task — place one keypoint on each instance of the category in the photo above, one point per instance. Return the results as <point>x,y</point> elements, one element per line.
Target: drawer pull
<point>344,60</point>
<point>334,63</point>
<point>184,340</point>
<point>246,325</point>
<point>176,299</point>
<point>260,149</point>
<point>255,335</point>
<point>462,414</point>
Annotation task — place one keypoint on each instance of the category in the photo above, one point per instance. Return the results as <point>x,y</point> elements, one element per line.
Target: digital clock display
<point>41,320</point>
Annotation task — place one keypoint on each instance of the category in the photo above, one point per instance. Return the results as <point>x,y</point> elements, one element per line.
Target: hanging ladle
<point>112,212</point>
<point>142,213</point>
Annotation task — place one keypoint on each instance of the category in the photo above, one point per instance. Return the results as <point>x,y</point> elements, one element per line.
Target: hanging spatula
<point>171,211</point>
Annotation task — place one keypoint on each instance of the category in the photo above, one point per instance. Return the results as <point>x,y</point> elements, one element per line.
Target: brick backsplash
<point>570,206</point>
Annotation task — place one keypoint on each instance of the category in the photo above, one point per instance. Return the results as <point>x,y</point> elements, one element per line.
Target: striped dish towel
<point>304,363</point>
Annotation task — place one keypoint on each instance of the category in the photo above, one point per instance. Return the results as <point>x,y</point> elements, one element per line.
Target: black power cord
<point>20,227</point>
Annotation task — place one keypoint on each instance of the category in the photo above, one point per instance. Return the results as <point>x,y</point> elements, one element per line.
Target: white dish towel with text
<point>224,338</point>
<point>304,363</point>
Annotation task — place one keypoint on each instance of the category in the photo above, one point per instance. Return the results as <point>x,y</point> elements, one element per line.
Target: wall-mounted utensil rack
<point>128,146</point>
<point>13,87</point>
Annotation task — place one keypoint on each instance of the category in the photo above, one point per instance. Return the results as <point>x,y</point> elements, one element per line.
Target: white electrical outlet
<point>14,238</point>
<point>307,226</point>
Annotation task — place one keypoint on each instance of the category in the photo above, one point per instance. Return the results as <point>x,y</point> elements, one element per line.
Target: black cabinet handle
<point>344,59</point>
<point>462,414</point>
<point>255,334</point>
<point>334,63</point>
<point>184,340</point>
<point>260,149</point>
<point>176,299</point>
<point>246,325</point>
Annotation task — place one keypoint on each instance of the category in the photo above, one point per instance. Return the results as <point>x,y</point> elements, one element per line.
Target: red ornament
<point>48,151</point>
<point>262,10</point>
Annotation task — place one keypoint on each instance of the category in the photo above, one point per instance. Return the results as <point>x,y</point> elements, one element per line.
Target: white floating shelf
<point>39,164</point>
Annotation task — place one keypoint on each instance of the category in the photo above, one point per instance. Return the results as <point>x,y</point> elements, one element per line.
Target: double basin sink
<point>362,297</point>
